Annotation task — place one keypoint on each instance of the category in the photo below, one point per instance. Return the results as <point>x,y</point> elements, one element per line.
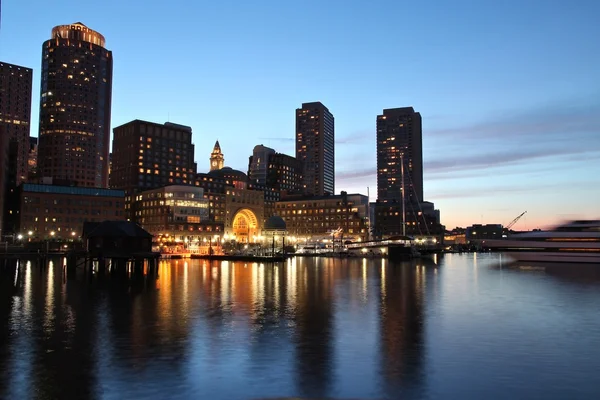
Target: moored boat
<point>573,242</point>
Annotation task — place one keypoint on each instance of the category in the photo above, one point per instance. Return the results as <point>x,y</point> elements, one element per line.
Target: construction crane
<point>514,221</point>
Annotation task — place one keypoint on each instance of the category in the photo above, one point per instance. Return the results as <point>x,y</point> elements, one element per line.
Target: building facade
<point>315,148</point>
<point>177,213</point>
<point>146,155</point>
<point>15,116</point>
<point>32,160</point>
<point>214,190</point>
<point>59,212</point>
<point>420,221</point>
<point>244,215</point>
<point>277,171</point>
<point>399,137</point>
<point>75,106</point>
<point>3,172</point>
<point>321,216</point>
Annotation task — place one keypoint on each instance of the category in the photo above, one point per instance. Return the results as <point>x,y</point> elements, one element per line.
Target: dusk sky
<point>509,91</point>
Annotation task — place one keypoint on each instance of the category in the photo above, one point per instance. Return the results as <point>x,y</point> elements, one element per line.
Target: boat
<point>572,242</point>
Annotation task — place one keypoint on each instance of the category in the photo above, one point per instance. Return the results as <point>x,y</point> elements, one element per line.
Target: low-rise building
<point>482,232</point>
<point>59,212</point>
<point>319,216</point>
<point>179,212</point>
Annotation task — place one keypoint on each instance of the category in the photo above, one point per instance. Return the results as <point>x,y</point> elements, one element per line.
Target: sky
<point>509,91</point>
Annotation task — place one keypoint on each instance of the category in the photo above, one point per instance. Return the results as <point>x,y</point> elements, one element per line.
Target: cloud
<point>552,121</point>
<point>360,136</point>
<point>360,173</point>
<point>501,158</point>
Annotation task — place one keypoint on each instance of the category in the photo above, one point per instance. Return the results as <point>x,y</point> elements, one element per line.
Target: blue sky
<point>509,91</point>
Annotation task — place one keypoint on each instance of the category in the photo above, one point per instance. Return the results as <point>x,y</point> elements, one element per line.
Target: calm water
<point>455,327</point>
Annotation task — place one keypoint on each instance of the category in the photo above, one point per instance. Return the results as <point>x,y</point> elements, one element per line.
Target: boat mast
<point>403,205</point>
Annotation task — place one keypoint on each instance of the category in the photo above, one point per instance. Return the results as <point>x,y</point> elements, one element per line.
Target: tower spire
<point>216,158</point>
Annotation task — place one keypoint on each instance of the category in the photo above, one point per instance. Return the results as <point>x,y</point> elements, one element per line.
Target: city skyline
<point>508,125</point>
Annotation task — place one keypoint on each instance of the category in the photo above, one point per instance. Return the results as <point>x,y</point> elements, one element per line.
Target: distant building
<point>146,155</point>
<point>482,232</point>
<point>399,133</point>
<point>217,160</point>
<point>59,212</point>
<point>230,176</point>
<point>315,148</point>
<point>272,170</point>
<point>421,220</point>
<point>32,160</point>
<point>320,216</point>
<point>177,212</point>
<point>75,106</point>
<point>258,164</point>
<point>15,116</point>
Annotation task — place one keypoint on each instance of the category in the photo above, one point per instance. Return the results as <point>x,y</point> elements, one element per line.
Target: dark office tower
<point>315,148</point>
<point>76,91</point>
<point>15,115</point>
<point>399,133</point>
<point>147,156</point>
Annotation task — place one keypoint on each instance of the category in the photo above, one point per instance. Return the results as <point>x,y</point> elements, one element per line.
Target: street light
<point>19,236</point>
<point>52,233</point>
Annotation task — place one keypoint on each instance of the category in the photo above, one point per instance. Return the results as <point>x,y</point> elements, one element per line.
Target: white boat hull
<point>555,257</point>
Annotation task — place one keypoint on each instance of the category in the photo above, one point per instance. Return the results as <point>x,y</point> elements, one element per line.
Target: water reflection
<point>307,327</point>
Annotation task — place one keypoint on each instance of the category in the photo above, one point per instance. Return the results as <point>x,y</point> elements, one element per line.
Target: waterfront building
<point>399,133</point>
<point>217,160</point>
<point>478,232</point>
<point>177,214</point>
<point>75,106</point>
<point>244,215</point>
<point>421,221</point>
<point>344,215</point>
<point>271,197</point>
<point>315,145</point>
<point>146,155</point>
<point>58,212</point>
<point>15,116</point>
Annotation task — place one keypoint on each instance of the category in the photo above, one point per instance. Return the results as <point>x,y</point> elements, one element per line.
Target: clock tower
<point>216,158</point>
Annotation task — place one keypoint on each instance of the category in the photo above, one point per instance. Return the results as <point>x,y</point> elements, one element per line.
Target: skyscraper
<point>147,156</point>
<point>315,148</point>
<point>15,115</point>
<point>399,134</point>
<point>75,106</point>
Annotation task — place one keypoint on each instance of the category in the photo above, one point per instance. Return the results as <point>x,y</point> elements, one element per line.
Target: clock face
<point>214,163</point>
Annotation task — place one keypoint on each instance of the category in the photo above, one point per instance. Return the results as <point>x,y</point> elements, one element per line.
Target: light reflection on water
<point>449,327</point>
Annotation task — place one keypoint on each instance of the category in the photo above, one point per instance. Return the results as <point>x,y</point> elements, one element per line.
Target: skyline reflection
<point>205,329</point>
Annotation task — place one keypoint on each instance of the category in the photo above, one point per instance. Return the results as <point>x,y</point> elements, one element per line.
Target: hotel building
<point>75,106</point>
<point>146,155</point>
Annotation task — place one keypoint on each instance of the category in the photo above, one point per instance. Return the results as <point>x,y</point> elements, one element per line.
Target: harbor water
<point>452,327</point>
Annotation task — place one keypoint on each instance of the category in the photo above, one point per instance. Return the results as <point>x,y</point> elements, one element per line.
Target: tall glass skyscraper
<point>315,137</point>
<point>75,106</point>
